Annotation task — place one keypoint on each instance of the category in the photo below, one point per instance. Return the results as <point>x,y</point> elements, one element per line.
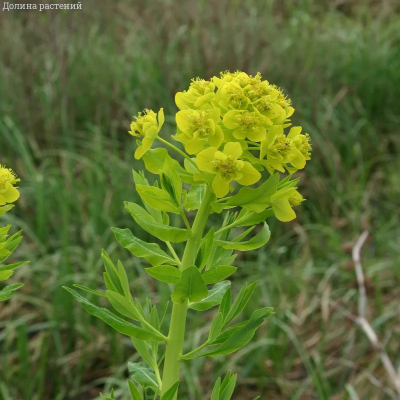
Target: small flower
<point>246,124</point>
<point>147,127</point>
<point>227,167</point>
<point>283,202</point>
<point>301,141</point>
<point>8,192</point>
<point>198,96</point>
<point>199,128</point>
<point>282,150</point>
<point>231,96</point>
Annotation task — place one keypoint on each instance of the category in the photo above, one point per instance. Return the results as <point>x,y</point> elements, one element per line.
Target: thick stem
<point>176,336</point>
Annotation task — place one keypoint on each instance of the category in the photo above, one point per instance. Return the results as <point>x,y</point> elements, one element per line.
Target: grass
<point>70,82</point>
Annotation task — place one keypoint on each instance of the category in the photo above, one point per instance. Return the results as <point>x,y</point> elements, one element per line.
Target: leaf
<point>255,242</point>
<point>4,254</point>
<point>217,274</point>
<point>123,277</point>
<point>165,273</point>
<point>191,286</point>
<point>143,349</point>
<point>154,160</point>
<point>9,290</point>
<point>13,266</point>
<point>89,290</point>
<point>112,273</point>
<point>143,375</point>
<point>216,389</point>
<point>257,199</point>
<point>174,180</point>
<point>195,197</point>
<point>248,218</point>
<point>240,302</point>
<point>120,325</point>
<point>157,198</point>
<point>241,337</point>
<point>227,390</point>
<point>133,390</point>
<point>225,305</point>
<point>171,392</point>
<point>206,249</point>
<point>4,275</point>
<point>214,297</point>
<point>123,306</point>
<point>149,251</point>
<point>216,327</point>
<point>149,224</point>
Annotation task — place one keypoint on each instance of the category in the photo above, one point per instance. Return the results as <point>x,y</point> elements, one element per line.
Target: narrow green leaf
<point>218,274</point>
<point>123,277</point>
<point>216,389</point>
<point>143,375</point>
<point>225,305</point>
<point>175,181</point>
<point>13,266</point>
<point>257,199</point>
<point>255,242</point>
<point>149,251</point>
<point>240,302</point>
<point>216,327</point>
<point>241,337</point>
<point>113,320</point>
<point>142,348</point>
<point>171,392</point>
<point>165,273</point>
<point>248,218</point>
<point>89,290</point>
<point>111,272</point>
<point>149,224</point>
<point>9,290</point>
<point>157,198</point>
<point>228,389</point>
<point>191,286</point>
<point>4,275</point>
<point>214,297</point>
<point>133,390</point>
<point>123,306</point>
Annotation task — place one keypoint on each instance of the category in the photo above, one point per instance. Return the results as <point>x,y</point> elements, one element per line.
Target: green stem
<point>176,149</point>
<point>176,336</point>
<point>146,324</point>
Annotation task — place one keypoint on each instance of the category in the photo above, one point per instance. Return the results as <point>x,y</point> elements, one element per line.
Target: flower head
<point>147,127</point>
<point>245,124</point>
<point>227,167</point>
<point>8,192</point>
<point>199,128</point>
<point>198,96</point>
<point>281,150</point>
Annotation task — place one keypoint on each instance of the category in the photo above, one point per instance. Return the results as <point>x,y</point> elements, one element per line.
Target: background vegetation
<point>70,82</point>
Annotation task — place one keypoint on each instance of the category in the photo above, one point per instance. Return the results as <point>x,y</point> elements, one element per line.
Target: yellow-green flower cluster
<point>232,128</point>
<point>8,191</point>
<point>244,109</point>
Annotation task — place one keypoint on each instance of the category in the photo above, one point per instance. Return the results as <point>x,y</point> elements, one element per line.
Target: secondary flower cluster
<point>233,127</point>
<point>8,191</point>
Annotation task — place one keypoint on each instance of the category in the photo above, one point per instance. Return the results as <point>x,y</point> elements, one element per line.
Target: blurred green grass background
<point>70,82</point>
